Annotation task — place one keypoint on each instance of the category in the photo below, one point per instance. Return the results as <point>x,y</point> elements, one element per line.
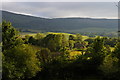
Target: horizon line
<point>26,14</point>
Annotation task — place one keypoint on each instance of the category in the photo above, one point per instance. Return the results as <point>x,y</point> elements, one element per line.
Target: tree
<point>71,44</point>
<point>10,36</point>
<point>89,40</point>
<point>97,51</point>
<point>72,37</point>
<point>109,66</point>
<point>43,55</point>
<point>55,42</point>
<point>32,40</point>
<point>39,36</point>
<point>97,47</point>
<point>78,37</point>
<point>78,41</point>
<point>110,41</point>
<point>116,52</point>
<point>21,63</point>
<point>65,43</point>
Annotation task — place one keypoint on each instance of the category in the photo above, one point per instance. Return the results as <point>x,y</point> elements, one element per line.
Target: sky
<point>60,0</point>
<point>63,9</point>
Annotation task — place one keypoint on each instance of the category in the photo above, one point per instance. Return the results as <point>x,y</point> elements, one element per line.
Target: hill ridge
<point>71,24</point>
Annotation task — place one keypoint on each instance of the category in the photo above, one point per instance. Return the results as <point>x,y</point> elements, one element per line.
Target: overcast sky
<point>60,0</point>
<point>64,9</point>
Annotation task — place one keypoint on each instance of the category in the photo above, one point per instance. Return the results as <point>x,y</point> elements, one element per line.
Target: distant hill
<point>75,25</point>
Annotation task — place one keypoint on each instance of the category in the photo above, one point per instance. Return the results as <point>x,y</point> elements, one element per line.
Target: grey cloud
<point>59,9</point>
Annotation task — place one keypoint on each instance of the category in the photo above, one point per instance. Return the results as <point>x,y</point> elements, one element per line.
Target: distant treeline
<point>90,34</point>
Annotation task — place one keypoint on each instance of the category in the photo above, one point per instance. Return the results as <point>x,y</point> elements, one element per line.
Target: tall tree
<point>97,51</point>
<point>9,36</point>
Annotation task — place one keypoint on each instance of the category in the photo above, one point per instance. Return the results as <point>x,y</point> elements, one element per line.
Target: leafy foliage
<point>9,36</point>
<point>20,63</point>
<point>55,42</point>
<point>110,65</point>
<point>58,56</point>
